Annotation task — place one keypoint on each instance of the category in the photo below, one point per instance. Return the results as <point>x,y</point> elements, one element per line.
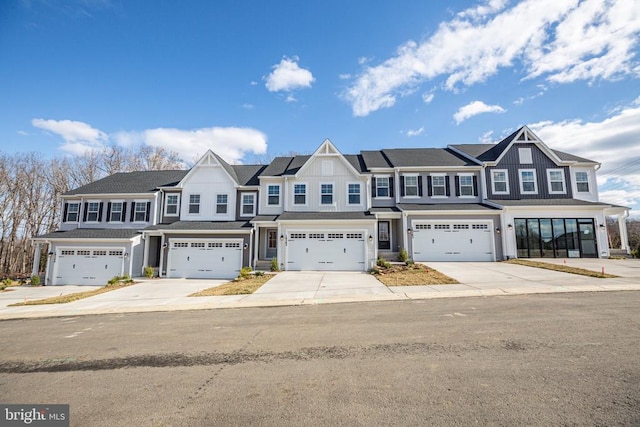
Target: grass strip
<point>63,299</point>
<point>238,286</point>
<point>413,275</point>
<point>562,268</point>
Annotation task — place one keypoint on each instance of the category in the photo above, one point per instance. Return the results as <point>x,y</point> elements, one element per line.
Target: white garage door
<point>453,241</point>
<point>322,250</point>
<point>87,266</point>
<point>205,258</point>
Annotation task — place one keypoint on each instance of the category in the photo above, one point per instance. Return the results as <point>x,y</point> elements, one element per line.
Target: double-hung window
<point>194,203</point>
<point>326,194</point>
<point>411,186</point>
<point>221,203</point>
<point>354,193</point>
<point>115,213</point>
<point>300,194</point>
<point>72,212</point>
<point>248,207</point>
<point>465,186</point>
<point>582,182</point>
<point>528,183</point>
<point>171,206</point>
<point>556,181</point>
<point>140,212</point>
<point>273,195</point>
<point>93,211</point>
<point>499,181</point>
<point>382,186</point>
<point>439,185</point>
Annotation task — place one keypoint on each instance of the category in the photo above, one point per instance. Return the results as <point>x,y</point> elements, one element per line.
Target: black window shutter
<point>84,214</point>
<point>475,185</point>
<point>100,211</point>
<point>429,186</point>
<point>457,186</point>
<point>419,186</point>
<point>133,211</point>
<point>148,211</point>
<point>373,186</point>
<point>124,211</point>
<point>64,213</point>
<point>447,185</point>
<point>402,186</point>
<point>109,212</point>
<point>390,186</point>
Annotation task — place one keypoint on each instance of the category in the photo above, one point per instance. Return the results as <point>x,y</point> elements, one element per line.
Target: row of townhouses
<point>331,211</point>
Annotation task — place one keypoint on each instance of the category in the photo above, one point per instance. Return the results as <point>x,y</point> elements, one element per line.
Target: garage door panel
<point>326,251</point>
<point>87,266</point>
<point>452,241</point>
<point>205,259</point>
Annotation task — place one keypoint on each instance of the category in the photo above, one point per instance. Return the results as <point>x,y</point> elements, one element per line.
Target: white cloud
<point>345,76</point>
<point>486,137</point>
<point>231,143</point>
<point>427,97</point>
<point>614,142</point>
<point>415,132</point>
<point>287,76</point>
<point>79,137</point>
<point>248,106</point>
<point>23,133</point>
<point>290,98</point>
<point>559,40</point>
<point>473,109</point>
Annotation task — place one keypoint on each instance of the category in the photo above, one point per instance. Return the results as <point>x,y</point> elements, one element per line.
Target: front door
<point>588,246</point>
<point>272,243</point>
<point>384,237</point>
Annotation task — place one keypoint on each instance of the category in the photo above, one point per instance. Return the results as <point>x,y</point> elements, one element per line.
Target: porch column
<point>624,235</point>
<point>162,254</point>
<point>145,256</point>
<point>36,261</point>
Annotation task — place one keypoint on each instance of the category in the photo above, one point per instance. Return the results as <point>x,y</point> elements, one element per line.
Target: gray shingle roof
<point>408,157</point>
<point>446,207</point>
<point>201,225</point>
<point>92,233</point>
<point>131,182</point>
<point>248,174</point>
<point>375,159</point>
<point>571,157</point>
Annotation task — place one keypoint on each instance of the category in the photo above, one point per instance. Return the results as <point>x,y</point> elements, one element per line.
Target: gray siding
<point>453,190</point>
<point>104,220</point>
<point>541,163</point>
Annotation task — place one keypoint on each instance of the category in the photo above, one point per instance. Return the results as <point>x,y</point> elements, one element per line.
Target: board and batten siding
<point>208,181</point>
<point>511,163</point>
<point>337,174</point>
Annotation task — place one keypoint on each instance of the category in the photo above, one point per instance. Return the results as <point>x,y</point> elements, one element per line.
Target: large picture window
<point>555,238</point>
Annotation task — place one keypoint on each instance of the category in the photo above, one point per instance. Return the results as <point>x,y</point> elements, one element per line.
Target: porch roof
<point>91,233</point>
<point>200,225</point>
<point>447,207</point>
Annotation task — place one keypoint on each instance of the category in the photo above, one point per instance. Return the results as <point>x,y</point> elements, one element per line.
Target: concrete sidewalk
<point>303,288</point>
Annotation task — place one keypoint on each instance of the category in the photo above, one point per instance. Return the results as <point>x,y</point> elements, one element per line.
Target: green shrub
<point>259,273</point>
<point>148,272</point>
<point>410,262</point>
<point>274,264</point>
<point>403,256</point>
<point>380,262</point>
<point>35,280</point>
<point>245,272</point>
<point>374,270</point>
<point>6,282</point>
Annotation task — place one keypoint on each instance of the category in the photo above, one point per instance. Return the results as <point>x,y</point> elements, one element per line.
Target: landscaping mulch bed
<point>239,286</point>
<point>412,275</point>
<point>63,299</point>
<point>562,268</point>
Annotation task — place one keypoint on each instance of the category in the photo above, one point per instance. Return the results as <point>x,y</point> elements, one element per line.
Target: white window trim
<point>333,194</point>
<point>433,193</point>
<point>199,204</point>
<point>306,194</point>
<point>144,203</point>
<point>359,184</point>
<point>564,183</point>
<point>242,204</point>
<point>404,176</point>
<point>535,181</point>
<point>226,204</point>
<point>77,212</point>
<point>506,181</point>
<point>472,196</point>
<point>88,202</point>
<point>166,204</point>
<point>121,212</point>
<point>279,195</point>
<point>575,176</point>
<point>375,196</point>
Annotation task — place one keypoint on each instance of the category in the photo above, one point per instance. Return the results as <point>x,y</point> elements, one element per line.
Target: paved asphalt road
<point>562,359</point>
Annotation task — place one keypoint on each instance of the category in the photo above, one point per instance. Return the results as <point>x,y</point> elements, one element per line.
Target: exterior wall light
<point>370,238</point>
<point>282,237</point>
<point>409,231</point>
<point>603,227</point>
<point>510,226</point>
<point>498,231</point>
<point>246,246</point>
<point>165,245</point>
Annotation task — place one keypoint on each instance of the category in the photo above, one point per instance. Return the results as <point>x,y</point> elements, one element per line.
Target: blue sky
<point>255,79</point>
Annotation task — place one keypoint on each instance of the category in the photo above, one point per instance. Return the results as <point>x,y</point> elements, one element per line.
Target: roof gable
<point>211,160</point>
<point>326,149</point>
